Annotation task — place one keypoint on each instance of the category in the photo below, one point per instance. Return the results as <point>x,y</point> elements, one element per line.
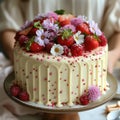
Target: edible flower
<point>57,50</point>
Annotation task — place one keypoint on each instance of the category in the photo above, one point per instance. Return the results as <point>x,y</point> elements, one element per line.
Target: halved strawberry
<point>35,47</point>
<point>25,31</point>
<point>84,28</point>
<point>65,22</point>
<point>91,42</point>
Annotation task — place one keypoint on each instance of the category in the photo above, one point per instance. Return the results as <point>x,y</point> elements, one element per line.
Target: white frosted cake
<point>60,60</point>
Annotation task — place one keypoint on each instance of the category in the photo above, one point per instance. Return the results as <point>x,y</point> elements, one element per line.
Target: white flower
<point>78,37</point>
<point>57,50</point>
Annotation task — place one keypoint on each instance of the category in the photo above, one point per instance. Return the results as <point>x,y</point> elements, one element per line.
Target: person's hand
<point>8,43</point>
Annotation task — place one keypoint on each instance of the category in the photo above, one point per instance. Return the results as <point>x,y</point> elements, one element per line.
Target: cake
<point>60,60</point>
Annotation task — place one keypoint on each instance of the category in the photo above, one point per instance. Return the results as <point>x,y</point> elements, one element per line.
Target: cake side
<point>60,80</point>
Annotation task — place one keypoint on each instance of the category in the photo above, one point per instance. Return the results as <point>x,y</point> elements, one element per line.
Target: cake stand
<point>64,113</point>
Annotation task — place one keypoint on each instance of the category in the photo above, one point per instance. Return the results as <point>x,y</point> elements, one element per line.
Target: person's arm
<point>114,51</point>
<point>8,42</point>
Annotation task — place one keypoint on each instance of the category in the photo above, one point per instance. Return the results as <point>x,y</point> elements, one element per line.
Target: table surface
<point>97,113</point>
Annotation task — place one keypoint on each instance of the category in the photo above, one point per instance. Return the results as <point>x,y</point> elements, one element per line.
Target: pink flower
<point>49,25</point>
<point>93,93</point>
<point>72,27</point>
<point>53,15</point>
<point>78,20</point>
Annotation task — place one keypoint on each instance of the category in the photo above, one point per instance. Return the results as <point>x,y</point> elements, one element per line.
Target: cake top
<point>59,34</point>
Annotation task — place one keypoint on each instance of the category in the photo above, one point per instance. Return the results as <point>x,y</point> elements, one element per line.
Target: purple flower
<point>39,17</point>
<point>72,27</point>
<point>94,28</point>
<point>26,24</point>
<point>78,20</point>
<point>49,25</point>
<point>53,15</point>
<point>93,93</point>
<point>40,38</point>
<point>51,35</point>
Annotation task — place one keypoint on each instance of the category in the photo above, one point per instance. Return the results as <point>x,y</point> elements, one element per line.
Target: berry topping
<point>77,50</point>
<point>35,47</point>
<point>25,31</point>
<point>91,43</point>
<point>23,39</point>
<point>65,22</point>
<point>103,40</point>
<point>15,90</point>
<point>84,100</point>
<point>33,31</point>
<point>49,46</point>
<point>23,96</point>
<point>60,29</point>
<point>66,50</point>
<point>83,27</point>
<point>66,38</point>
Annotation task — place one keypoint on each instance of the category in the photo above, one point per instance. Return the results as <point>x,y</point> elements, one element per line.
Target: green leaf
<point>60,12</point>
<point>37,25</point>
<point>67,33</point>
<point>28,44</point>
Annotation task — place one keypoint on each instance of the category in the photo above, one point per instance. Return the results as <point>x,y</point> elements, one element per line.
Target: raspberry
<point>77,50</point>
<point>103,40</point>
<point>15,90</point>
<point>49,46</point>
<point>84,99</point>
<point>22,39</point>
<point>24,96</point>
<point>66,50</point>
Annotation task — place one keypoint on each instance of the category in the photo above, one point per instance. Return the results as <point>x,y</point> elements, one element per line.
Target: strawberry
<point>65,17</point>
<point>24,96</point>
<point>35,47</point>
<point>25,31</point>
<point>77,50</point>
<point>84,28</point>
<point>66,38</point>
<point>15,90</point>
<point>84,100</point>
<point>68,42</point>
<point>103,40</point>
<point>65,22</point>
<point>91,42</point>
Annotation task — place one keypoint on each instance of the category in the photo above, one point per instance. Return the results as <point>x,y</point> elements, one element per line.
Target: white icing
<point>59,79</point>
